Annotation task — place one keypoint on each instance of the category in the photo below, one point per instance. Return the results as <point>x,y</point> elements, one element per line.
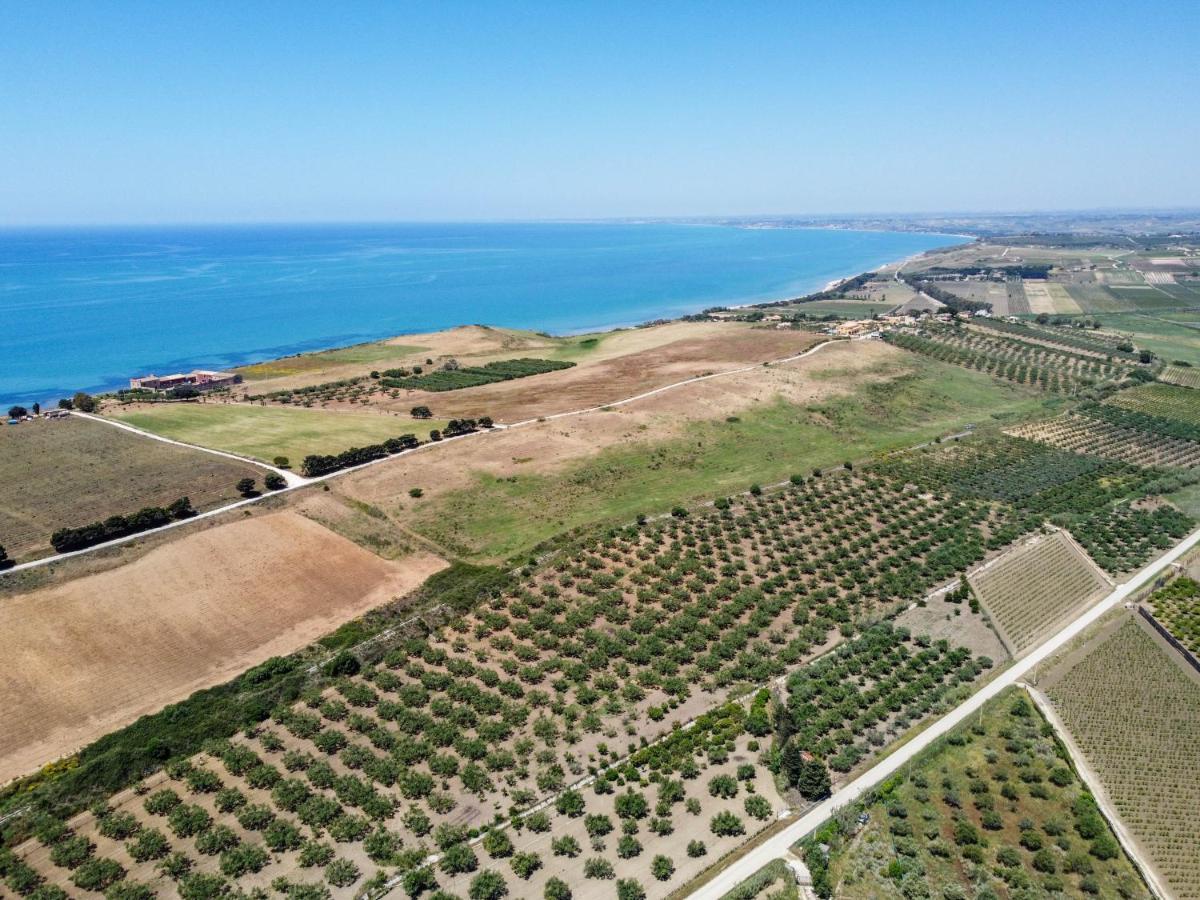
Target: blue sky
<point>234,111</point>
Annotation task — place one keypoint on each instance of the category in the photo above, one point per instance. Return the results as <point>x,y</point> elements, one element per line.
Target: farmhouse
<point>200,379</point>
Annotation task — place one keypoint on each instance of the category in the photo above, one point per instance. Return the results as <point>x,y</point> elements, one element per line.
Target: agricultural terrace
<point>598,652</point>
<point>1183,376</point>
<point>1036,586</point>
<point>992,810</point>
<point>1030,483</point>
<point>1010,358</point>
<point>73,471</point>
<point>1165,401</point>
<point>267,432</point>
<point>1177,607</point>
<point>1134,708</point>
<point>1083,434</point>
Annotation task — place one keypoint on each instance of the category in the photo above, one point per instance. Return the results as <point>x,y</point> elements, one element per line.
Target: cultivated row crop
<point>1084,434</point>
<point>1136,714</point>
<point>1036,586</point>
<point>1011,359</point>
<point>1177,606</point>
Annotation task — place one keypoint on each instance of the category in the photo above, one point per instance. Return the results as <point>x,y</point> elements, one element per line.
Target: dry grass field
<point>498,494</point>
<point>70,472</point>
<point>93,654</point>
<point>1049,297</point>
<point>608,367</point>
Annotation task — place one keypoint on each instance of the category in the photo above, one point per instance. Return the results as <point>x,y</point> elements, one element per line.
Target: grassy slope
<point>265,432</point>
<point>1167,340</point>
<point>496,519</point>
<point>359,354</point>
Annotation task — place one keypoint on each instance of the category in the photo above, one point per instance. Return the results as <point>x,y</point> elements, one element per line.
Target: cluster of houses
<point>200,379</point>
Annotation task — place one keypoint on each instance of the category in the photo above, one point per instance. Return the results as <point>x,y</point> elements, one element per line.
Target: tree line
<point>66,540</point>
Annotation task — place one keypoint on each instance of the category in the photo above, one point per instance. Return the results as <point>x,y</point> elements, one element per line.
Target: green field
<point>264,432</point>
<point>992,810</point>
<point>1176,335</point>
<point>307,363</point>
<point>497,518</point>
<point>1165,400</point>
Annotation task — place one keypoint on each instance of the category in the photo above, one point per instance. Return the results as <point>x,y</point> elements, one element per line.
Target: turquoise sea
<point>84,309</point>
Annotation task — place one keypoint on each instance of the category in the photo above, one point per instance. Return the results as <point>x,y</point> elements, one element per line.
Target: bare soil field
<point>625,367</point>
<point>71,472</point>
<point>551,446</point>
<point>93,654</point>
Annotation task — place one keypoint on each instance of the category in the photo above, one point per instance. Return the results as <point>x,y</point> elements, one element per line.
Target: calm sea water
<point>86,309</point>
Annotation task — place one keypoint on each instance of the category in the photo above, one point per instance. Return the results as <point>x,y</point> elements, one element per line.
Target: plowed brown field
<point>94,654</point>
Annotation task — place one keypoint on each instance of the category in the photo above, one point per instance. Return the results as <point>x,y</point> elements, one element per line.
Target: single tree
<point>245,486</point>
<point>84,402</point>
<point>274,481</point>
<point>487,885</point>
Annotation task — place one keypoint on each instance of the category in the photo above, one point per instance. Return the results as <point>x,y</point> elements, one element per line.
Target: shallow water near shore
<point>84,309</point>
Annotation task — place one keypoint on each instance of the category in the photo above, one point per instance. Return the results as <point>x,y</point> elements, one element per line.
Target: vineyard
<point>1136,714</point>
<point>1183,376</point>
<point>1083,434</point>
<point>1177,606</point>
<point>446,379</point>
<point>993,810</point>
<point>1077,339</point>
<point>1011,359</point>
<point>600,650</point>
<point>1166,401</point>
<point>1031,589</point>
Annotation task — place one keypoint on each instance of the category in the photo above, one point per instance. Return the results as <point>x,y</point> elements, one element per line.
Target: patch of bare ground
<point>595,383</point>
<point>955,623</point>
<point>551,446</point>
<point>93,654</point>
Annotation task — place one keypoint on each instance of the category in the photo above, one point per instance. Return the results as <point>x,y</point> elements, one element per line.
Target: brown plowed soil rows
<point>609,380</point>
<point>94,654</point>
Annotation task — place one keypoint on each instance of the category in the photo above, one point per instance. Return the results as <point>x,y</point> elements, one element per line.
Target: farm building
<point>201,379</point>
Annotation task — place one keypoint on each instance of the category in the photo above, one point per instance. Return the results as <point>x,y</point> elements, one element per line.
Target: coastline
<point>668,310</point>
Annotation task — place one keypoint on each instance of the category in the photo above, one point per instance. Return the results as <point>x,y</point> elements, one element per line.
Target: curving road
<point>295,481</point>
<point>777,846</point>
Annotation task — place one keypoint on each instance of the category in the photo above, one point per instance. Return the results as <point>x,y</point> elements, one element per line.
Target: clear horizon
<point>194,113</point>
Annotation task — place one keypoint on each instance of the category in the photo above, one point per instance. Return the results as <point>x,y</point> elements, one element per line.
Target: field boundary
<point>1165,633</point>
<point>296,482</point>
<point>806,824</point>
